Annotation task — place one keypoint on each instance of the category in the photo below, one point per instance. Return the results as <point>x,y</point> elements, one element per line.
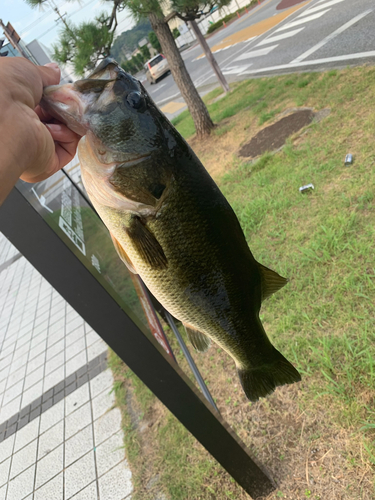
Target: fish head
<point>112,108</point>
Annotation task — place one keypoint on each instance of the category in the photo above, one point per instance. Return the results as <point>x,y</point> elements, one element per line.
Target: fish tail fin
<point>261,380</point>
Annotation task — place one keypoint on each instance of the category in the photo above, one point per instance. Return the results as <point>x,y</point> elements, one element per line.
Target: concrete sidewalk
<point>60,435</point>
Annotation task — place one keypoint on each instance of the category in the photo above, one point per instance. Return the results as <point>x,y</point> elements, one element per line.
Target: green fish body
<point>170,223</point>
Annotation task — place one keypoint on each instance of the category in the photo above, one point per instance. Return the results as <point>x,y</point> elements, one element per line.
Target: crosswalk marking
<point>314,62</point>
<point>320,7</point>
<point>256,53</point>
<point>303,20</point>
<point>330,37</point>
<point>279,37</point>
<point>236,70</point>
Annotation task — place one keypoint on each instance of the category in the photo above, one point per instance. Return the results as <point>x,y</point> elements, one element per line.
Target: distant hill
<point>128,40</point>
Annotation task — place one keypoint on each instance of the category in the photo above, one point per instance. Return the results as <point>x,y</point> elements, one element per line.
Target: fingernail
<point>53,65</point>
<point>53,127</point>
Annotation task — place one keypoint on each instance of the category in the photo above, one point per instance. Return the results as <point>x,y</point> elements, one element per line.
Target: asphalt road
<point>313,35</point>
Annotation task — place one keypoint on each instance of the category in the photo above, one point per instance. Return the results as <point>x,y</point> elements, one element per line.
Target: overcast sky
<point>40,24</point>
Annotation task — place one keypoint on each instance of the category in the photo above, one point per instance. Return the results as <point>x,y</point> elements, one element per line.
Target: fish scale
<point>170,223</point>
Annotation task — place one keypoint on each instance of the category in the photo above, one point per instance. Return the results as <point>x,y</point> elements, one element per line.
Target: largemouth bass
<point>170,223</point>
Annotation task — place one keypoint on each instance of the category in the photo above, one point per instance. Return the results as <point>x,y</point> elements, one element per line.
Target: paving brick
<point>47,404</point>
<point>35,413</point>
<point>82,380</point>
<point>24,421</point>
<point>95,372</point>
<point>10,430</point>
<point>81,371</point>
<point>47,395</point>
<point>70,388</point>
<point>94,362</point>
<point>70,379</point>
<point>25,411</point>
<point>13,419</point>
<point>59,387</point>
<point>58,397</point>
<point>37,402</point>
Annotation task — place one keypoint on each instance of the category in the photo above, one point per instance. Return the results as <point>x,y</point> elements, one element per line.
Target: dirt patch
<point>285,4</point>
<point>274,136</point>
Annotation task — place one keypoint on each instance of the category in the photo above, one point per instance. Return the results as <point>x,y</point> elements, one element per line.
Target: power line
<point>68,16</point>
<point>40,18</point>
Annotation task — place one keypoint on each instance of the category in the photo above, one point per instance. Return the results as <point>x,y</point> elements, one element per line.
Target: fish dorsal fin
<point>146,244</point>
<point>123,255</point>
<point>199,340</point>
<point>271,282</point>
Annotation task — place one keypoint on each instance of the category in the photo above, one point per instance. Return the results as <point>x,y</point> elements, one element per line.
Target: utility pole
<point>209,55</point>
<point>62,18</point>
<point>14,39</point>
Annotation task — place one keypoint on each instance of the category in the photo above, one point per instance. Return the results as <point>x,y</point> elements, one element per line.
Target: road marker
<point>256,53</point>
<point>348,57</point>
<point>172,107</point>
<point>303,20</point>
<point>330,37</point>
<point>320,7</point>
<point>236,70</point>
<point>279,37</point>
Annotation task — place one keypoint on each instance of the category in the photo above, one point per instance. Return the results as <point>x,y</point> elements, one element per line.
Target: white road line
<point>167,99</point>
<point>348,57</point>
<point>236,70</point>
<point>330,37</point>
<point>160,87</point>
<point>320,7</point>
<point>256,53</point>
<point>203,77</point>
<point>303,20</point>
<point>279,37</point>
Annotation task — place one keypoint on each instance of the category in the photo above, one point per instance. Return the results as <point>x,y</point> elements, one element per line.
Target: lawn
<point>317,438</point>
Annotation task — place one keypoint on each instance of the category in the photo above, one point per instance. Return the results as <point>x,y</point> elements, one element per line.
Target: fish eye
<point>134,100</point>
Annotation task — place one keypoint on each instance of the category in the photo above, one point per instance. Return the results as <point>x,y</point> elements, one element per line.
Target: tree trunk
<point>202,121</point>
<point>209,56</point>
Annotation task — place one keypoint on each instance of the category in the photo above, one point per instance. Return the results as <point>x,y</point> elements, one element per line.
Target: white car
<point>156,67</point>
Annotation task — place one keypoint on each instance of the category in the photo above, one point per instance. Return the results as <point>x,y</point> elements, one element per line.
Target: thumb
<point>50,74</point>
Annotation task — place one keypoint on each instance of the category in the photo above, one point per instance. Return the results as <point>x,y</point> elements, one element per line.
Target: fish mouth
<point>64,103</point>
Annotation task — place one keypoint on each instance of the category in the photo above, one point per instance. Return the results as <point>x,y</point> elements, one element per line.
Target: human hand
<point>33,144</point>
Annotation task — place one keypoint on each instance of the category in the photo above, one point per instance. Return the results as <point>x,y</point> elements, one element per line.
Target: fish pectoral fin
<point>123,255</point>
<point>271,282</point>
<point>199,340</point>
<point>146,244</point>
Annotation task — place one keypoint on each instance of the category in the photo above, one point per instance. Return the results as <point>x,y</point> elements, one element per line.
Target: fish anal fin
<point>123,255</point>
<point>199,340</point>
<point>262,380</point>
<point>146,244</point>
<point>271,282</point>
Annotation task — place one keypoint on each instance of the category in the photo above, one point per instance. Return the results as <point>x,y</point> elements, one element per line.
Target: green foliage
<point>128,40</point>
<point>134,65</point>
<point>192,9</point>
<point>84,45</point>
<point>142,8</point>
<point>145,51</point>
<point>154,41</point>
<point>175,33</point>
<point>219,24</point>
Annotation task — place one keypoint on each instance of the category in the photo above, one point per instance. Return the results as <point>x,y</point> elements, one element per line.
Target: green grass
<point>324,319</point>
<point>261,97</point>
